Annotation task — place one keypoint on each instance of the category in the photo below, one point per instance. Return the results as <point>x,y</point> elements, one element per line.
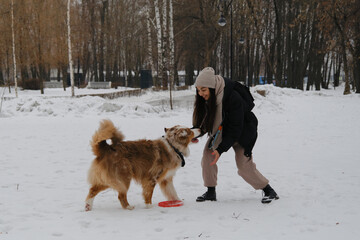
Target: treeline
<point>273,41</point>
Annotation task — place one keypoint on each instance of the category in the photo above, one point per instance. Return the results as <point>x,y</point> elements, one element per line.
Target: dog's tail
<point>106,131</point>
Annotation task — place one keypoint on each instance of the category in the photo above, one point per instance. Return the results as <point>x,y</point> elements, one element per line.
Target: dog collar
<point>178,153</point>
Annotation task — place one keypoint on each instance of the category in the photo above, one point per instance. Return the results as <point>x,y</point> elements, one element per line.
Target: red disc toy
<point>175,203</point>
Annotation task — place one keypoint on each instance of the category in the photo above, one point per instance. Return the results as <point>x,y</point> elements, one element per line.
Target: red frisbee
<point>175,203</point>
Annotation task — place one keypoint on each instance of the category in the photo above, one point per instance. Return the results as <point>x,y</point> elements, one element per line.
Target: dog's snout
<point>196,132</point>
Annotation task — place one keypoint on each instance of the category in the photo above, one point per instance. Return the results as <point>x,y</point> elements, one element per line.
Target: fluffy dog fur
<point>148,162</point>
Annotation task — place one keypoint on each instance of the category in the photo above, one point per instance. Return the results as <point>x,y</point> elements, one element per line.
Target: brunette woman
<point>220,111</point>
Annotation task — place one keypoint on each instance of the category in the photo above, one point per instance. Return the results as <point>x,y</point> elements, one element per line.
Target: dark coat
<point>239,124</point>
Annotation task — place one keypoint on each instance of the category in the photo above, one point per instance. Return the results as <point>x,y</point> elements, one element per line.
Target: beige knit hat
<point>206,78</point>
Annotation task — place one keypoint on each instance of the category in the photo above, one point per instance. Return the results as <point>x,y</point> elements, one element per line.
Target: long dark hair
<point>204,111</point>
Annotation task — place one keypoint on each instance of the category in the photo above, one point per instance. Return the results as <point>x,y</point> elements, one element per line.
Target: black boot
<point>269,194</point>
<point>210,195</point>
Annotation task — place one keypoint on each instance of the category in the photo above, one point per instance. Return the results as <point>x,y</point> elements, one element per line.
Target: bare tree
<point>165,44</point>
<point>149,59</point>
<point>172,50</point>
<point>291,40</point>
<point>69,49</point>
<point>341,13</point>
<point>13,47</point>
<point>160,67</point>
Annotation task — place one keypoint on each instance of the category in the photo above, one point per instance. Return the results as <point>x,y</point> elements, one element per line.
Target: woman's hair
<point>204,111</point>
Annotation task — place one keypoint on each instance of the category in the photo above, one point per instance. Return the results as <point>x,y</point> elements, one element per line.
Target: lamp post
<point>222,23</point>
<point>241,40</point>
<point>241,65</point>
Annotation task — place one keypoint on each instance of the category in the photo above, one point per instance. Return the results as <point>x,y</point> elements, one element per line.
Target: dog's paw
<point>148,206</point>
<point>88,207</point>
<point>130,207</point>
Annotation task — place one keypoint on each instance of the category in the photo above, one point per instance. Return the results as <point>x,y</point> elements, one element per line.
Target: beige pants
<point>246,168</point>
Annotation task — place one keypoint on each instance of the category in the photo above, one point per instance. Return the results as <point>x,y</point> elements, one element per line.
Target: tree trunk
<point>357,68</point>
<point>189,71</point>
<point>251,52</point>
<point>41,75</point>
<point>344,58</point>
<point>160,66</point>
<point>257,64</point>
<point>164,45</point>
<point>69,49</point>
<point>64,76</point>
<point>2,82</point>
<point>13,47</point>
<point>337,69</point>
<point>259,36</point>
<point>172,51</point>
<point>149,59</point>
<point>329,74</point>
<point>41,68</point>
<point>346,68</point>
<point>22,57</point>
<point>101,47</point>
<point>343,53</point>
<point>93,39</point>
<point>304,48</point>
<point>356,56</point>
<point>279,43</point>
<point>325,71</point>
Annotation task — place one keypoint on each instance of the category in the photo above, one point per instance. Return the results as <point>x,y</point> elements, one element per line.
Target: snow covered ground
<point>308,147</point>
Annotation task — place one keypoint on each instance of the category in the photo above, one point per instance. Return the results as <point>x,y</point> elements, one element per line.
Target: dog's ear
<point>165,129</point>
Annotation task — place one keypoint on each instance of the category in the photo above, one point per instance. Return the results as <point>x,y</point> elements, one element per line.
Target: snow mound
<point>56,103</point>
<point>110,107</point>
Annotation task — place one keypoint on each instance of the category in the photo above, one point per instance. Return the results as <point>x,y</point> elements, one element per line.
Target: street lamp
<point>222,23</point>
<point>241,40</point>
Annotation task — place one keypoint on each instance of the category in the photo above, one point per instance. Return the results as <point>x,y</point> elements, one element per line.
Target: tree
<point>160,67</point>
<point>69,49</point>
<point>172,50</point>
<point>344,16</point>
<point>113,40</point>
<point>13,47</point>
<point>149,57</point>
<point>165,45</point>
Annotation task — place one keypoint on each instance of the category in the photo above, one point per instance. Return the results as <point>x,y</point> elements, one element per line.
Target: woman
<point>220,112</point>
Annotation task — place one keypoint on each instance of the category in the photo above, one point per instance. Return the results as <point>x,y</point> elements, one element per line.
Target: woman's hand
<point>217,156</point>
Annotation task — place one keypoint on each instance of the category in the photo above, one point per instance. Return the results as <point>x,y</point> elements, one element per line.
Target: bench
<point>99,85</point>
<point>53,84</point>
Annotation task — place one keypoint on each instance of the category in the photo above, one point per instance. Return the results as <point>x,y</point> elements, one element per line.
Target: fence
<point>127,93</point>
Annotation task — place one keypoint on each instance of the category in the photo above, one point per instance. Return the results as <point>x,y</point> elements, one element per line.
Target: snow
<point>307,147</point>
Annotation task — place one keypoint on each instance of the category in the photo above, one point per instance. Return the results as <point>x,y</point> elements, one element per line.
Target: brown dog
<point>148,162</point>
